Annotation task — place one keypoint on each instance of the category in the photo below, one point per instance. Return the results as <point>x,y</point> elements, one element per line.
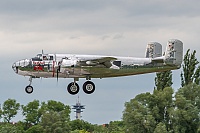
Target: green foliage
<point>188,109</point>
<point>190,74</point>
<point>10,128</point>
<point>55,122</point>
<point>160,128</point>
<point>116,127</point>
<point>57,107</point>
<point>32,112</point>
<point>35,129</point>
<point>10,108</point>
<point>163,113</point>
<point>163,79</point>
<point>197,76</point>
<point>1,112</point>
<point>137,117</point>
<point>100,129</point>
<point>81,125</point>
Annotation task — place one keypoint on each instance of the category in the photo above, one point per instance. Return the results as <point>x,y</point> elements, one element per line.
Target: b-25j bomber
<point>99,66</point>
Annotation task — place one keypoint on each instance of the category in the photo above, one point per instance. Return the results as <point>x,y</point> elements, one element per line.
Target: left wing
<point>106,61</point>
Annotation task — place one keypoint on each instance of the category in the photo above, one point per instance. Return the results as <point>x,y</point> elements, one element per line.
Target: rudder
<point>174,52</point>
<point>153,50</point>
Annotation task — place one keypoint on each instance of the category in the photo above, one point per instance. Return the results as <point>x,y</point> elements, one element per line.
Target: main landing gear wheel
<point>88,87</point>
<point>73,88</point>
<point>29,89</point>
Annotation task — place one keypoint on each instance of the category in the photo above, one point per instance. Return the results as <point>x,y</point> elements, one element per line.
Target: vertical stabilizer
<point>174,52</point>
<point>153,50</point>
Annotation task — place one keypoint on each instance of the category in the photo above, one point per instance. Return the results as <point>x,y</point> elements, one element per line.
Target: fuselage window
<point>45,58</point>
<point>51,57</point>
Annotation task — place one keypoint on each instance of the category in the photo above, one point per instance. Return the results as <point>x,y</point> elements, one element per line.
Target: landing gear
<point>29,88</point>
<point>73,88</point>
<point>88,87</point>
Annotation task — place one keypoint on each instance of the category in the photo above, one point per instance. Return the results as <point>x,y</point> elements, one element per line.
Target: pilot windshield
<point>37,58</point>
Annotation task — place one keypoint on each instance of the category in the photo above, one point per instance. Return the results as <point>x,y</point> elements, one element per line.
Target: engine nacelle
<point>153,50</point>
<point>69,62</point>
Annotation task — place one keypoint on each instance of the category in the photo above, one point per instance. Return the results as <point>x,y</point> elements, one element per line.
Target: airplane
<point>99,66</point>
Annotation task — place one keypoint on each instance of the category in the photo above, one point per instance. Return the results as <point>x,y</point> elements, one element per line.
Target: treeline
<point>50,117</point>
<point>163,111</point>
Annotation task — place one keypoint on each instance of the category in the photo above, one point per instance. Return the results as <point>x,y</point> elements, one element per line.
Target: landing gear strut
<point>29,88</point>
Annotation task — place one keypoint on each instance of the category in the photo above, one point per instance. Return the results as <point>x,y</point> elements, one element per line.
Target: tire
<point>29,89</point>
<point>73,88</point>
<point>88,87</point>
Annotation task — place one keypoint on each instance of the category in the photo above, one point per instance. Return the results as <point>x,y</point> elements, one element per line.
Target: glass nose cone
<point>20,64</point>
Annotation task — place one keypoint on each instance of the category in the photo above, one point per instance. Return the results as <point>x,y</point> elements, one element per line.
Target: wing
<point>105,61</point>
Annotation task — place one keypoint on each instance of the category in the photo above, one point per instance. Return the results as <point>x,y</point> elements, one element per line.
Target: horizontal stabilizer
<point>158,60</point>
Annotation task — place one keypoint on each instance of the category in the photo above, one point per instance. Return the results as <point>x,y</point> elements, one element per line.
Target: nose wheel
<point>29,88</point>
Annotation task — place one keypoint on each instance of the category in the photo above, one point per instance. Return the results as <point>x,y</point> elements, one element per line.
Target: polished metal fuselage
<point>86,65</point>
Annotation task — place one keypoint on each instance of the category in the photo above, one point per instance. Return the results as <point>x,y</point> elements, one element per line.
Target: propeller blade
<point>57,74</point>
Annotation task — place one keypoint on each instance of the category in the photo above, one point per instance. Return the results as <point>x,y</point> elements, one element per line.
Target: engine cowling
<point>69,62</point>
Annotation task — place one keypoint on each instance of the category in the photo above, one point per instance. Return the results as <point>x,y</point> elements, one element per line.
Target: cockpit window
<point>37,58</point>
<point>41,57</point>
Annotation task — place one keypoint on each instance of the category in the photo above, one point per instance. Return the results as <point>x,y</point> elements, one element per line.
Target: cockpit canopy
<point>43,57</point>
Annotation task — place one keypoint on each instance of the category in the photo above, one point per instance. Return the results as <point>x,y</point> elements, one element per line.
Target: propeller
<point>57,72</point>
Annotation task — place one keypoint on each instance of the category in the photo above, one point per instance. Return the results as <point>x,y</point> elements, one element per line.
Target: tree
<point>160,128</point>
<point>145,111</point>
<point>186,116</point>
<point>197,76</point>
<point>35,129</point>
<point>52,122</point>
<point>116,127</point>
<point>10,128</point>
<point>100,129</point>
<point>163,79</point>
<point>32,113</point>
<point>55,106</point>
<point>137,117</point>
<point>81,125</point>
<point>0,112</point>
<point>190,73</point>
<point>10,108</point>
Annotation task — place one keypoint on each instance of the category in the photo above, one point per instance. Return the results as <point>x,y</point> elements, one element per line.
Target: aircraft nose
<point>15,68</point>
<point>20,64</point>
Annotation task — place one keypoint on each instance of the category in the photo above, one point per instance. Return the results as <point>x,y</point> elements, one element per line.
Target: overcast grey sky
<point>111,27</point>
